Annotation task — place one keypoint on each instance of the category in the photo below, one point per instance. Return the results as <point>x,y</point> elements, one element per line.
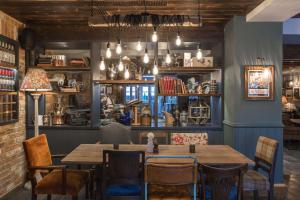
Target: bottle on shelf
<point>7,54</point>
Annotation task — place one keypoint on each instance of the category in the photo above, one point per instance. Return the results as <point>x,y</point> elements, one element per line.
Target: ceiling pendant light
<point>121,65</point>
<point>146,56</point>
<point>139,45</point>
<point>178,39</point>
<point>119,47</point>
<point>126,73</point>
<point>154,35</point>
<point>199,54</point>
<point>102,65</point>
<point>108,51</point>
<point>168,57</point>
<point>155,68</point>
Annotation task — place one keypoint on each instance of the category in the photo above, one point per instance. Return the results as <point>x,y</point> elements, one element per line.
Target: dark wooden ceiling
<point>68,14</point>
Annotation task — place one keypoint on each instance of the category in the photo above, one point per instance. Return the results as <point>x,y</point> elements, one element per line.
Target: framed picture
<point>259,82</point>
<point>296,93</point>
<point>289,93</point>
<point>109,90</point>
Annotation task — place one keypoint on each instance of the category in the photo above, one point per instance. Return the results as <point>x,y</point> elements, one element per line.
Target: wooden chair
<point>123,174</point>
<point>222,183</point>
<point>265,160</point>
<point>115,133</point>
<point>170,179</point>
<point>56,179</point>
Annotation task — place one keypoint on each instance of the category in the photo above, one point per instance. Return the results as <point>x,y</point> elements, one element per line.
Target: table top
<point>205,154</point>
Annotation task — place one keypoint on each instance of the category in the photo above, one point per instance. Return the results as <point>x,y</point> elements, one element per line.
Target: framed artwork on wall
<point>288,93</point>
<point>296,93</point>
<point>259,82</point>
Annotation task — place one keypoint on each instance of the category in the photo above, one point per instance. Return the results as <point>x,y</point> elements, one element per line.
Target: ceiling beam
<point>274,11</point>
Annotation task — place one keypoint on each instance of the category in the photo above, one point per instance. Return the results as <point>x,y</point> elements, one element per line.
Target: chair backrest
<point>265,155</point>
<point>189,138</point>
<point>37,151</point>
<point>221,180</point>
<point>178,170</point>
<point>123,165</point>
<point>115,133</point>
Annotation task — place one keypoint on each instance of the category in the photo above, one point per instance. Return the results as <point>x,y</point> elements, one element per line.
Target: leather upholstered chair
<point>115,133</point>
<point>123,174</point>
<point>171,177</point>
<point>265,160</point>
<point>222,183</point>
<point>55,179</point>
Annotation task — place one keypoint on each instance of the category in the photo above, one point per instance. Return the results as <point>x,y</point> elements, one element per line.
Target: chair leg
<point>271,194</point>
<point>86,190</point>
<point>74,197</point>
<point>33,196</point>
<point>49,197</point>
<point>255,195</point>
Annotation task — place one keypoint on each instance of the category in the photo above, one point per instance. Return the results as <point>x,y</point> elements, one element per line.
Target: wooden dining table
<point>205,154</point>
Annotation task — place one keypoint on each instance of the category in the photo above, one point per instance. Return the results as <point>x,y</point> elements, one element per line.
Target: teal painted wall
<point>245,121</point>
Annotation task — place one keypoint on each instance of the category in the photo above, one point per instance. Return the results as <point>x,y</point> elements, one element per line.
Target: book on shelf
<point>171,85</point>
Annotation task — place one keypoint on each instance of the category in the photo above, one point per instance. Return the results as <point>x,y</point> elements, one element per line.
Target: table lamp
<point>36,81</point>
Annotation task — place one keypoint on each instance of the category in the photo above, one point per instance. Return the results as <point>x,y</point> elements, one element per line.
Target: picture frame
<point>259,82</point>
<point>296,93</point>
<point>289,93</point>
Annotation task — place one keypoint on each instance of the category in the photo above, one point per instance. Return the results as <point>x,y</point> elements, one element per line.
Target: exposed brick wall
<point>12,160</point>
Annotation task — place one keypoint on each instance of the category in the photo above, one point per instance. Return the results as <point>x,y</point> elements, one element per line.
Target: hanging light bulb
<point>146,56</point>
<point>139,45</point>
<point>154,35</point>
<point>102,65</point>
<point>121,66</point>
<point>155,69</point>
<point>126,73</point>
<point>119,47</point>
<point>178,39</point>
<point>108,51</point>
<point>199,54</point>
<point>168,57</point>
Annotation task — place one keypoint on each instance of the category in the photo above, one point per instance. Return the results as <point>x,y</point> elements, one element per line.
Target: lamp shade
<point>36,80</point>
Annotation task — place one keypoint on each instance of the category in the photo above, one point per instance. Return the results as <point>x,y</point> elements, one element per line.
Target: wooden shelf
<point>7,66</point>
<point>124,82</point>
<point>58,92</point>
<point>190,95</point>
<point>189,70</point>
<point>65,68</point>
<point>9,93</point>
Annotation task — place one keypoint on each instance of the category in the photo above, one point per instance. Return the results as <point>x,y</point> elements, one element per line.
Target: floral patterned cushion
<point>189,138</point>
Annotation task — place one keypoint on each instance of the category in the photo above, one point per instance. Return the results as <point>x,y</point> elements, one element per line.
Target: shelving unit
<point>215,100</point>
<point>75,105</point>
<point>124,82</point>
<point>9,96</point>
<point>187,70</point>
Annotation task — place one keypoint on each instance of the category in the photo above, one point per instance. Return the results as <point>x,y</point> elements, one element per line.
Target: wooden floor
<point>291,191</point>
